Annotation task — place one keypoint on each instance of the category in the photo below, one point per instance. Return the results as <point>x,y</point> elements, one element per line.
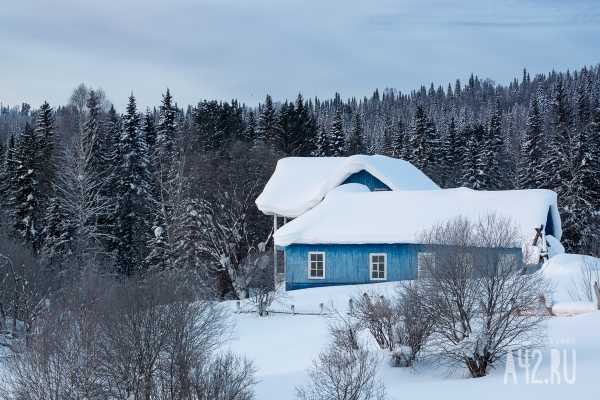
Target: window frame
<point>513,266</point>
<point>310,253</point>
<point>420,273</point>
<point>385,266</point>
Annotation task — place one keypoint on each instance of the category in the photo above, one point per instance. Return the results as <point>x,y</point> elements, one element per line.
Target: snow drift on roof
<point>400,217</point>
<point>300,183</point>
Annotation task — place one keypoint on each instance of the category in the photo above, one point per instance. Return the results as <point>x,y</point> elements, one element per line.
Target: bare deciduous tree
<point>481,305</point>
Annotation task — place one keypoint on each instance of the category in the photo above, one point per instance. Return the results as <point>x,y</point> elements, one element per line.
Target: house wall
<point>347,264</point>
<point>365,178</point>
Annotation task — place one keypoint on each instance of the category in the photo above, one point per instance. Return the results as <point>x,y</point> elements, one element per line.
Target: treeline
<point>174,188</point>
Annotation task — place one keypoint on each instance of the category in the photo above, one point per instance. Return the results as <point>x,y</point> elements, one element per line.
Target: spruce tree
<point>558,162</point>
<point>433,151</point>
<point>449,154</point>
<point>149,130</point>
<point>492,152</point>
<point>8,177</point>
<point>28,216</point>
<point>286,130</point>
<point>417,151</point>
<point>56,235</point>
<point>305,128</point>
<point>250,132</point>
<point>135,200</point>
<point>44,132</point>
<point>472,173</point>
<point>267,123</point>
<point>561,164</point>
<point>355,141</point>
<point>398,140</point>
<point>323,146</point>
<point>532,152</point>
<point>92,137</point>
<point>167,128</point>
<point>337,136</point>
<point>388,137</point>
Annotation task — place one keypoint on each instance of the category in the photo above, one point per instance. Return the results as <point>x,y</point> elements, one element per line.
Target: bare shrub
<point>379,315</point>
<point>342,373</point>
<point>147,339</point>
<point>414,325</point>
<point>61,360</point>
<point>258,267</point>
<point>25,285</point>
<point>225,377</point>
<point>480,304</point>
<point>344,331</point>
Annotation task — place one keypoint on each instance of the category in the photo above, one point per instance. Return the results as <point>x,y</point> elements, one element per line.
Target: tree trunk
<point>477,366</point>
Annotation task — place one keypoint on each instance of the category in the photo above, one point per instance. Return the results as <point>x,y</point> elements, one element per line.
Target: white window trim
<point>420,273</point>
<point>324,264</point>
<point>385,266</point>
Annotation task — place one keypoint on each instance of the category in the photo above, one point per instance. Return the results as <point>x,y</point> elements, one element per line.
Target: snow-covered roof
<point>300,183</point>
<point>401,217</point>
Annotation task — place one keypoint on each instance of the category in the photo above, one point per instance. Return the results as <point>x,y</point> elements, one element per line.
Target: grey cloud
<point>244,49</point>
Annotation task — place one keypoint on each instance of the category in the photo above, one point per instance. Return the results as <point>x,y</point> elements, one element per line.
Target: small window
<point>507,262</point>
<point>316,265</point>
<point>378,263</point>
<point>425,264</point>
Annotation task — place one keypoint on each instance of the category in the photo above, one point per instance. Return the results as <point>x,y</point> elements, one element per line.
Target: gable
<point>364,178</point>
<point>300,183</point>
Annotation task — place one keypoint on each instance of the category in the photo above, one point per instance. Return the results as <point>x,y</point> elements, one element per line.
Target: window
<point>316,265</point>
<point>507,262</point>
<point>425,263</point>
<point>378,263</point>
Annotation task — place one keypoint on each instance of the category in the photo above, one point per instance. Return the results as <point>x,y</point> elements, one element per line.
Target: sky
<point>224,49</point>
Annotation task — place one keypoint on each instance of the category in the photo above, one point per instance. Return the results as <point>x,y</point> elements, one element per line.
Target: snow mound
<point>571,291</point>
<point>300,183</point>
<point>402,216</point>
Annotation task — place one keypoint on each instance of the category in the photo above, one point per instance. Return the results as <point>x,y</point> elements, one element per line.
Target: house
<point>359,219</point>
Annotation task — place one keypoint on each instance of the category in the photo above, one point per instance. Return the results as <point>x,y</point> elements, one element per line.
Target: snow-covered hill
<point>283,347</point>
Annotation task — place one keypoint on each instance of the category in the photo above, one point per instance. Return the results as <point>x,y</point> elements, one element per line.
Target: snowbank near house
<point>570,277</point>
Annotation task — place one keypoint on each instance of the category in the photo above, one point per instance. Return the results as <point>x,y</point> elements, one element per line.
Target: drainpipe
<point>274,252</point>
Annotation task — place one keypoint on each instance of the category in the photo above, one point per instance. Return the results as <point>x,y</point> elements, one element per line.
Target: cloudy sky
<point>244,49</point>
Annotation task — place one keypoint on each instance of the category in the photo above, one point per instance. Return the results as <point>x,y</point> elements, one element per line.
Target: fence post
<point>238,306</point>
<point>293,310</point>
<point>321,308</point>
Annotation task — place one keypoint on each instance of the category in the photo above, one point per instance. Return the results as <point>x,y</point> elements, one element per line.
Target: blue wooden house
<point>358,219</point>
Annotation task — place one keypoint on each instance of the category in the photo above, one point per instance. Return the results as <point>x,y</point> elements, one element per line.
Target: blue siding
<point>365,178</point>
<point>549,228</point>
<point>347,264</point>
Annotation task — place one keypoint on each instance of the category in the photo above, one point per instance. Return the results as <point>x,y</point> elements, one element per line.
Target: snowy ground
<point>283,347</point>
